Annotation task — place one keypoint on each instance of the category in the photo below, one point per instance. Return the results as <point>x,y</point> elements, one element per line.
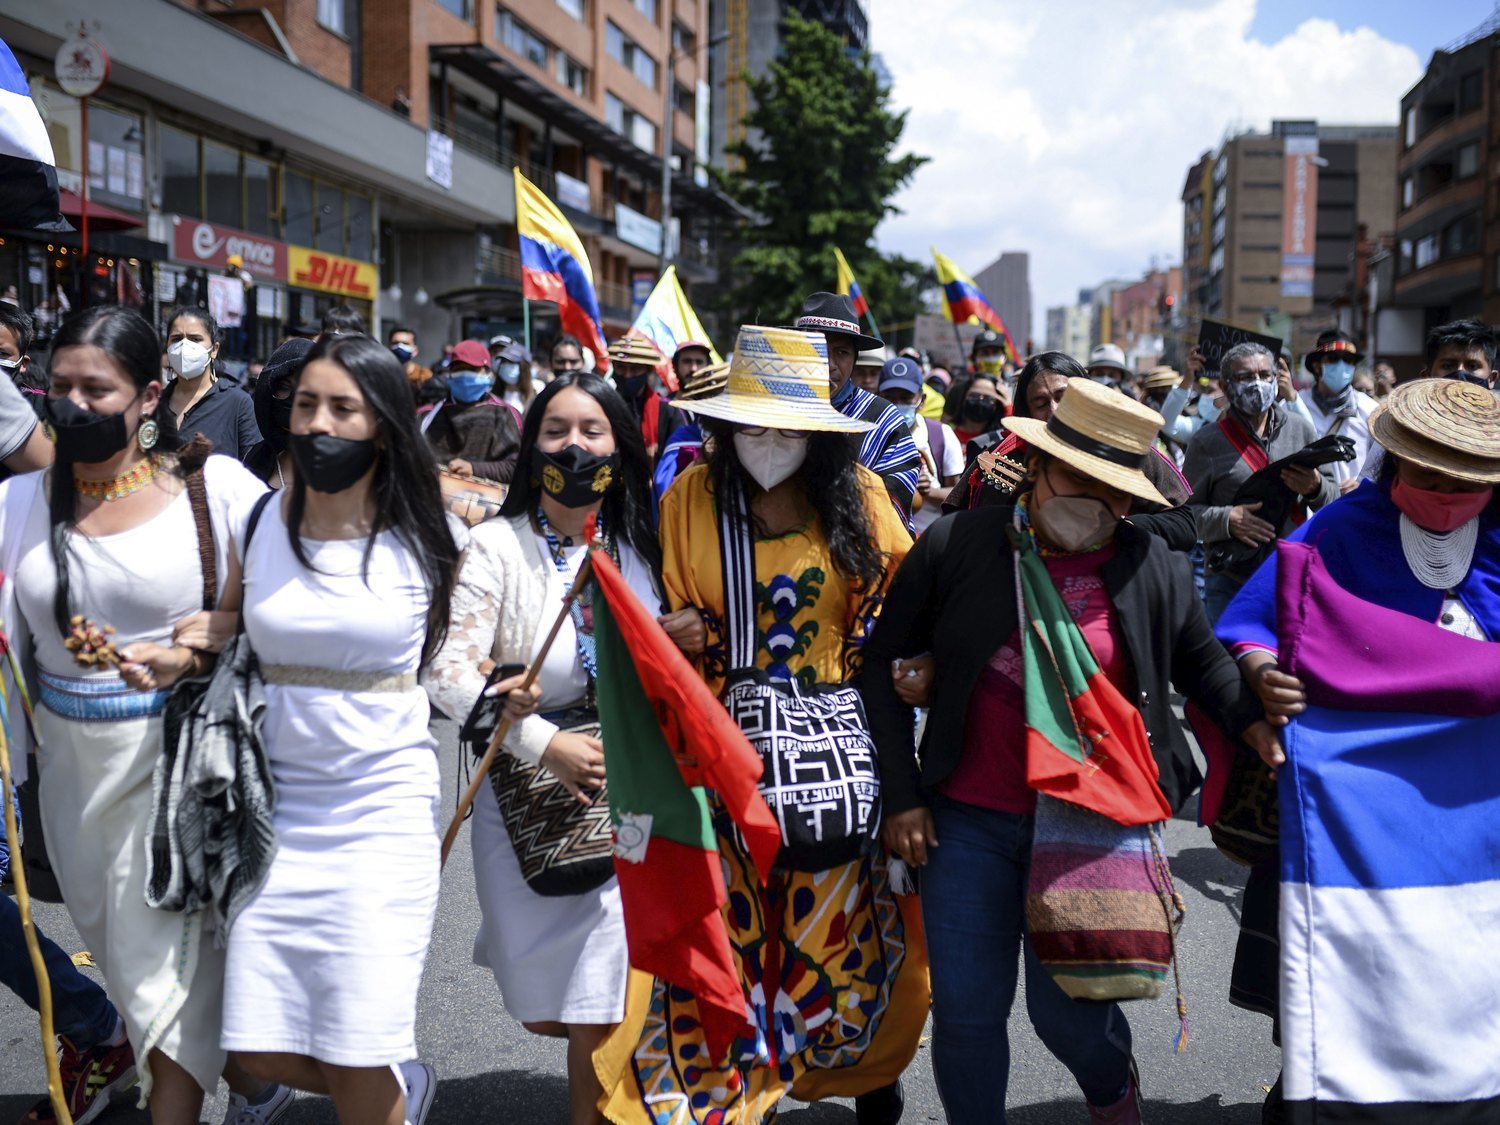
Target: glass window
<point>179,173</point>
<point>572,74</point>
<point>463,9</point>
<point>520,38</point>
<point>298,209</point>
<point>614,113</point>
<point>1470,91</point>
<point>357,220</point>
<point>574,8</point>
<point>682,38</point>
<point>644,67</point>
<point>1468,160</point>
<point>614,41</point>
<point>328,229</point>
<point>221,185</point>
<point>1408,192</point>
<point>642,132</point>
<point>331,15</point>
<point>1411,126</point>
<point>647,8</point>
<point>1427,251</point>
<point>260,204</point>
<point>1461,236</point>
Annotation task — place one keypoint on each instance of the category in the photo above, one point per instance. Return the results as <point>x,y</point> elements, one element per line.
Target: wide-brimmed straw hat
<point>1101,433</point>
<point>1446,425</point>
<point>778,378</point>
<point>703,383</point>
<point>636,350</point>
<point>1159,377</point>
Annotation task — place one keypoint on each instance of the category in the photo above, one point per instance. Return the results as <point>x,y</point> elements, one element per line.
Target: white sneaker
<point>241,1112</point>
<point>419,1081</point>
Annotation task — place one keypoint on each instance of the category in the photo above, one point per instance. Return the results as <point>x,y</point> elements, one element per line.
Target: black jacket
<point>955,597</point>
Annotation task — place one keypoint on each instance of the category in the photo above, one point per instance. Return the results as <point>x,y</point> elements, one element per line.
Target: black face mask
<point>331,464</point>
<point>631,386</point>
<point>82,436</point>
<point>574,477</point>
<point>981,410</point>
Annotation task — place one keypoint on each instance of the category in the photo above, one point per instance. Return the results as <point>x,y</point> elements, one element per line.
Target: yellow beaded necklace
<point>121,486</point>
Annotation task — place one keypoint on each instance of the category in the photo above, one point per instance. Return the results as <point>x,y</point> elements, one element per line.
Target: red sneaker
<point>1126,1111</point>
<point>90,1081</point>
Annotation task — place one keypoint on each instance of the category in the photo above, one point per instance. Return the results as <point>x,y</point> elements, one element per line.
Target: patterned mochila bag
<point>821,779</point>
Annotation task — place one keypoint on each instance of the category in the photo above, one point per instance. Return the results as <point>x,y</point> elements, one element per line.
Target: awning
<point>101,217</point>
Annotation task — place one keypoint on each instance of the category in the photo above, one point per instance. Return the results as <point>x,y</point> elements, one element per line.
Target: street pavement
<point>493,1071</point>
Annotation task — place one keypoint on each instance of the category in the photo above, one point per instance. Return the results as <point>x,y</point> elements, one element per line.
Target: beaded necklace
<point>121,486</point>
<point>582,608</point>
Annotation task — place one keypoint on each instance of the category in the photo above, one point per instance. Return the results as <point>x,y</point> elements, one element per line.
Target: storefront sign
<point>440,159</point>
<point>1299,216</point>
<point>81,66</point>
<point>330,273</point>
<point>209,245</point>
<point>572,193</point>
<point>637,229</point>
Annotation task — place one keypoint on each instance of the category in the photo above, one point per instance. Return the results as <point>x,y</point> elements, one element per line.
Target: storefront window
<point>358,213</point>
<point>180,173</point>
<point>221,182</point>
<point>328,231</point>
<point>260,204</point>
<point>298,209</point>
<point>117,171</point>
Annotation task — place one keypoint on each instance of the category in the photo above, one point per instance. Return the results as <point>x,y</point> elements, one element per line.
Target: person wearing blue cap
<point>942,454</point>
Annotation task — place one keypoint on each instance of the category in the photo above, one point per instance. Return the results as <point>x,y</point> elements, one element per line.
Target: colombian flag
<point>667,319</point>
<point>555,268</point>
<point>965,303</point>
<point>847,286</point>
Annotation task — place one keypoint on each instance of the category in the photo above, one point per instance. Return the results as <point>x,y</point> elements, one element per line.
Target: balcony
<point>488,148</point>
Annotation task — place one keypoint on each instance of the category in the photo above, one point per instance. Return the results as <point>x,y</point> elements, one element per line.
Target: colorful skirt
<point>834,970</point>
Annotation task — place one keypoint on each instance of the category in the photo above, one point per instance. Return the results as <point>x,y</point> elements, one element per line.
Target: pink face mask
<point>1438,511</point>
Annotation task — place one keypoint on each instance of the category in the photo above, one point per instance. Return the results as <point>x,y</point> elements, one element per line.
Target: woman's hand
<point>909,834</point>
<point>686,629</point>
<point>519,703</point>
<point>153,667</point>
<point>1282,696</point>
<point>913,679</point>
<point>207,631</point>
<point>1265,740</point>
<point>576,760</point>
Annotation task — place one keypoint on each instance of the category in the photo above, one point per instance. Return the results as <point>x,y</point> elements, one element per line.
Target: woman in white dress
<point>560,961</point>
<point>103,555</point>
<point>348,579</point>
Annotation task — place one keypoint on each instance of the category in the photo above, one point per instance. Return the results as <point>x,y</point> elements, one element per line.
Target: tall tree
<point>820,171</point>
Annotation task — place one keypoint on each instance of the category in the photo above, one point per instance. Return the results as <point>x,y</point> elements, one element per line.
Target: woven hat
<point>703,383</point>
<point>1159,377</point>
<point>1100,432</point>
<point>870,357</point>
<point>833,314</point>
<point>636,350</point>
<point>1447,425</point>
<point>779,378</point>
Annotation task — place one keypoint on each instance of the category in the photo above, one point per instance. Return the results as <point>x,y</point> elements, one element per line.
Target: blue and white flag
<point>28,173</point>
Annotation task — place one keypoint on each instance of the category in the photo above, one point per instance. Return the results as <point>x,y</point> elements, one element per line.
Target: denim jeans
<point>80,1009</point>
<point>974,911</point>
<point>1218,591</point>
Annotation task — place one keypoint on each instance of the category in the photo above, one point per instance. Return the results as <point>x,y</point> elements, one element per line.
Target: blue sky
<point>1066,128</point>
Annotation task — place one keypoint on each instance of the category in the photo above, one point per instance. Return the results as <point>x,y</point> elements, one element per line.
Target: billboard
<point>1299,216</point>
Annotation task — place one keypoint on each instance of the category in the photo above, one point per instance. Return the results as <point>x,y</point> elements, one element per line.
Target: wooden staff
<point>28,930</point>
<point>585,572</point>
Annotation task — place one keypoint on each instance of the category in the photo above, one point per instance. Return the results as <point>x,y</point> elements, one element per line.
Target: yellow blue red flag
<point>965,303</point>
<point>668,321</point>
<point>555,268</point>
<point>848,286</point>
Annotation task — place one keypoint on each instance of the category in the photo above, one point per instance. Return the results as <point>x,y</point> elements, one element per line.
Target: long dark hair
<point>831,481</point>
<point>128,339</point>
<point>407,499</point>
<point>203,317</point>
<point>627,507</point>
<point>1056,363</point>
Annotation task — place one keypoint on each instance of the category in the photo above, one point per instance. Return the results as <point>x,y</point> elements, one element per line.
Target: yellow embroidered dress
<point>833,965</point>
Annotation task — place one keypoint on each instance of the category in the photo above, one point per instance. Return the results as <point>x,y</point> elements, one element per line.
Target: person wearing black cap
<point>271,460</point>
<point>1333,405</point>
<point>988,354</point>
<point>887,450</point>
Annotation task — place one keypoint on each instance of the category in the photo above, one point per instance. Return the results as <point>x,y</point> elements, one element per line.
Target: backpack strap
<point>737,554</point>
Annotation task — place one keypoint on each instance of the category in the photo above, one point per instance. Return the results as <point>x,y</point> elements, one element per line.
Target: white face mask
<point>188,358</point>
<point>770,457</point>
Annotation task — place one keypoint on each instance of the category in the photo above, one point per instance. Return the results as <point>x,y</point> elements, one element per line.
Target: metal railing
<point>614,294</point>
<point>500,261</point>
<point>489,149</point>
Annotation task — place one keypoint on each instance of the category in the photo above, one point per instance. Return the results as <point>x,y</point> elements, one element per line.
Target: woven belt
<point>103,699</point>
<point>335,679</point>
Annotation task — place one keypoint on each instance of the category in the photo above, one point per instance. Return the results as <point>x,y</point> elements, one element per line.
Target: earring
<point>147,434</point>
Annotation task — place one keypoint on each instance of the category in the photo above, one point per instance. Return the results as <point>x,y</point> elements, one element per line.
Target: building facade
<point>1142,316</point>
<point>1069,328</point>
<point>360,152</point>
<point>1007,283</point>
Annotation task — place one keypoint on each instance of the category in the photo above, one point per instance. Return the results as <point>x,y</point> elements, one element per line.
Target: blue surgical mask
<point>403,352</point>
<point>1207,410</point>
<point>1337,375</point>
<point>843,395</point>
<point>510,374</point>
<point>469,386</point>
<point>908,414</point>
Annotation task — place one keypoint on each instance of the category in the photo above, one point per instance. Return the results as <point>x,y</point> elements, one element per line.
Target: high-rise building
<point>1069,328</point>
<point>1007,283</point>
<point>1279,216</point>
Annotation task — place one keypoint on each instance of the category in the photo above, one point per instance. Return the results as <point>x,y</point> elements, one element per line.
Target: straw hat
<point>636,350</point>
<point>1447,425</point>
<point>778,378</point>
<point>1100,432</point>
<point>870,357</point>
<point>1159,377</point>
<point>703,383</point>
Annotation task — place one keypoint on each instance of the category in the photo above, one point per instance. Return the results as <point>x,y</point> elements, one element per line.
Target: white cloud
<point>1067,129</point>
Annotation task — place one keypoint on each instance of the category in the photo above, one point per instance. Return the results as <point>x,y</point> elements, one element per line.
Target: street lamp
<point>668,116</point>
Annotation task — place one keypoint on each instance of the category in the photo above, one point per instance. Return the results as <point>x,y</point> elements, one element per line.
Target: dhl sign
<point>330,273</point>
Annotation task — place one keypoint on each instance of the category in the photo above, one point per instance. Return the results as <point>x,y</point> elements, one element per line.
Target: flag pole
<point>28,931</point>
<point>959,341</point>
<point>526,323</point>
<point>585,572</point>
<point>875,328</point>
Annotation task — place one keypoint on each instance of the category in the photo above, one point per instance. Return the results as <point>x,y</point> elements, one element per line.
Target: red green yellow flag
<point>667,739</point>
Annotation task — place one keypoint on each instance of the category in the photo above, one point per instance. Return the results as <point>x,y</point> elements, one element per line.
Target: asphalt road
<point>491,1070</point>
